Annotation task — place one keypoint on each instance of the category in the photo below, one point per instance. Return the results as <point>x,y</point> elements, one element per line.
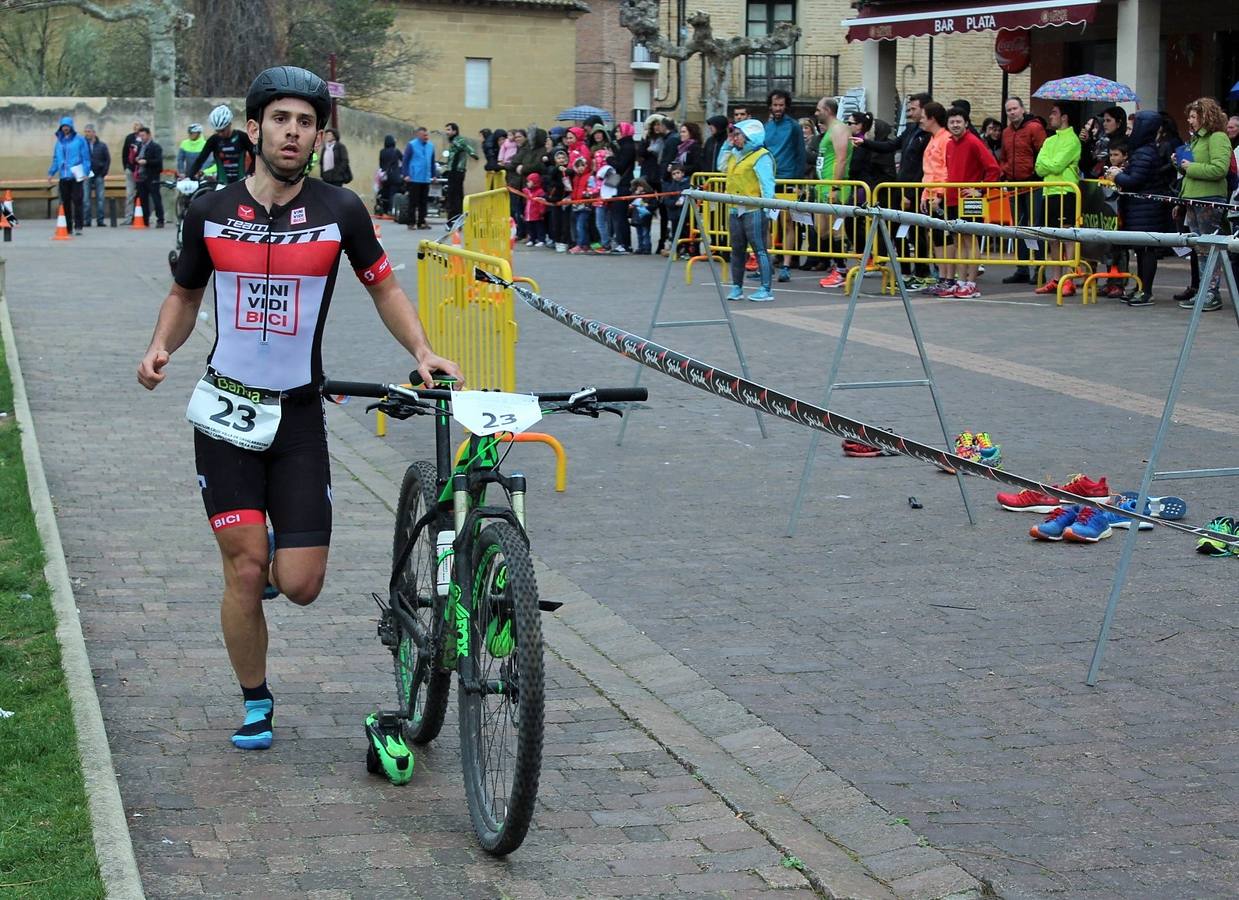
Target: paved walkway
<point>892,697</point>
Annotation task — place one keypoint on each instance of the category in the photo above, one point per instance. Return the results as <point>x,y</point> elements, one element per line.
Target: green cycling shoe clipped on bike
<point>386,752</point>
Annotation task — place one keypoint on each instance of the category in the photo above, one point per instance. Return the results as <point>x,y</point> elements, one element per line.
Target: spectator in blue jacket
<point>419,169</point>
<point>100,162</point>
<point>785,141</point>
<point>71,164</point>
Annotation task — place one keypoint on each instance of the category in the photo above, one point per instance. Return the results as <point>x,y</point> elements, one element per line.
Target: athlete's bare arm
<point>175,325</point>
<point>397,312</point>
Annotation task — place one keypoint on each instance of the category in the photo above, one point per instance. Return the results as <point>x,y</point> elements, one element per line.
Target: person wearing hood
<point>623,161</point>
<point>71,165</point>
<point>1143,174</point>
<point>574,143</point>
<point>528,160</point>
<point>715,143</point>
<point>750,172</point>
<point>390,179</point>
<point>535,211</point>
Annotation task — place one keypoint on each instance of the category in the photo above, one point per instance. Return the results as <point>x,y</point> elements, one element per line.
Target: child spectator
<point>676,184</point>
<point>1116,257</point>
<point>507,150</point>
<point>641,215</point>
<point>535,211</point>
<point>583,191</point>
<point>559,189</point>
<point>608,181</point>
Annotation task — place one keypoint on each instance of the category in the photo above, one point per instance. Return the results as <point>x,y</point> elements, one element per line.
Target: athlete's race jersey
<point>274,275</point>
<point>230,154</point>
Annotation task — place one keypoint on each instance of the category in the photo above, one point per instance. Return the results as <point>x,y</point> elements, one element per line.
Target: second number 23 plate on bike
<point>243,421</point>
<point>488,412</point>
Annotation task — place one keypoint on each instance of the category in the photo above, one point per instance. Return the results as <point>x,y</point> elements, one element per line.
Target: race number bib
<point>230,411</point>
<point>488,412</point>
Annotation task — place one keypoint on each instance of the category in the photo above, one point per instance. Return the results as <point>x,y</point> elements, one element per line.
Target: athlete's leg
<point>298,572</point>
<point>243,549</point>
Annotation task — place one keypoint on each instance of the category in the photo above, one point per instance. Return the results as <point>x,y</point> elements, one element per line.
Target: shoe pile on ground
<point>979,447</point>
<point>1086,524</point>
<point>856,448</point>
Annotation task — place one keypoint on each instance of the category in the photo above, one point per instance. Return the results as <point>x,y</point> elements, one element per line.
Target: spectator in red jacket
<point>1021,142</point>
<point>968,160</point>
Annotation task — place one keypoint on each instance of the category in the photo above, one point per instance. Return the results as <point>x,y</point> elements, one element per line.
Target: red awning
<point>902,20</point>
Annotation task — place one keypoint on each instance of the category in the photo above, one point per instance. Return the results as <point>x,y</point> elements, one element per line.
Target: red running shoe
<point>855,448</point>
<point>833,279</point>
<point>750,264</point>
<point>1036,502</point>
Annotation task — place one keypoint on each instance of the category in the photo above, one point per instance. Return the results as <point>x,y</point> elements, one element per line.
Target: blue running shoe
<point>1055,524</point>
<point>1123,522</point>
<point>255,733</point>
<point>784,274</point>
<point>270,592</point>
<point>737,293</point>
<point>1090,526</point>
<point>761,295</point>
<point>1160,507</point>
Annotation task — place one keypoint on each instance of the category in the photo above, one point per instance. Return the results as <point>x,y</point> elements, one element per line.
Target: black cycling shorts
<point>289,482</point>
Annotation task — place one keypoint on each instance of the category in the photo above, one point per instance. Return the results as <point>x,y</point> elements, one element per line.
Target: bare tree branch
<point>641,18</point>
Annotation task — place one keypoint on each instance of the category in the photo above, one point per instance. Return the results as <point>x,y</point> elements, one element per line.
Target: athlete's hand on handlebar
<point>150,370</point>
<point>431,366</point>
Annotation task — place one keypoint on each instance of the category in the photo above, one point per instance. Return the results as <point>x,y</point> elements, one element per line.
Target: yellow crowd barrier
<point>791,234</point>
<point>488,223</point>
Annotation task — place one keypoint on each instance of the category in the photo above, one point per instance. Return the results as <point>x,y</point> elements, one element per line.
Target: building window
<point>642,98</point>
<point>477,83</point>
<point>767,71</point>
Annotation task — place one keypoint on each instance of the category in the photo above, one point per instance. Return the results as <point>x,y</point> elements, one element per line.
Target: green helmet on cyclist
<point>286,81</point>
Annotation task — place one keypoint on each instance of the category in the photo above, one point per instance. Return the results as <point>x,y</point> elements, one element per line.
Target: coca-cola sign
<point>1012,50</point>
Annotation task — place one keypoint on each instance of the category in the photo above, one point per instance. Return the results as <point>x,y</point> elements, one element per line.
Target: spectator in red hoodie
<point>1021,142</point>
<point>968,160</point>
<point>535,211</point>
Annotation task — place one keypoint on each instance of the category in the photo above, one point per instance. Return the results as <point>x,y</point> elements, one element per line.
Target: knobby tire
<point>501,731</point>
<point>422,686</point>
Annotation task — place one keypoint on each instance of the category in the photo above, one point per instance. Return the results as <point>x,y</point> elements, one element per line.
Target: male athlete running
<point>232,149</point>
<point>274,242</point>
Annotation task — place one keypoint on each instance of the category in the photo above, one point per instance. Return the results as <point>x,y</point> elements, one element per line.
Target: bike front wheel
<point>501,695</point>
<point>422,685</point>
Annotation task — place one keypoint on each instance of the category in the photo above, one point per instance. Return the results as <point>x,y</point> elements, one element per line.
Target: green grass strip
<point>46,846</point>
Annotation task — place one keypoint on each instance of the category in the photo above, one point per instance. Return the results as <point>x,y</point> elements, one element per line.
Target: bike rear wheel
<point>501,713</point>
<point>422,686</point>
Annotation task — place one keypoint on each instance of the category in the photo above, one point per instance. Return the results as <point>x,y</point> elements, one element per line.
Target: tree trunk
<point>717,85</point>
<point>163,70</point>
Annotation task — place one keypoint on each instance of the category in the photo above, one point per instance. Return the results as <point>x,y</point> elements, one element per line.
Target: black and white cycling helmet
<point>220,117</point>
<point>288,81</point>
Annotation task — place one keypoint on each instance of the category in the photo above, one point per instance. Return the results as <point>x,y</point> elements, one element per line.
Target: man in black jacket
<point>911,145</point>
<point>100,162</point>
<point>147,168</point>
<point>670,147</point>
<point>623,160</point>
<point>129,153</point>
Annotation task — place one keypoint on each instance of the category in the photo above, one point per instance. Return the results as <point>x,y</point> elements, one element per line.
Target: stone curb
<point>113,847</point>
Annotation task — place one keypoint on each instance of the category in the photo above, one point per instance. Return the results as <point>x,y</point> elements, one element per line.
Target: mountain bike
<point>463,597</point>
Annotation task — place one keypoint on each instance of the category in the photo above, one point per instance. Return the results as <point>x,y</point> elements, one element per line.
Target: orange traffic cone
<point>62,226</point>
<point>456,238</point>
<point>378,230</point>
<point>139,220</point>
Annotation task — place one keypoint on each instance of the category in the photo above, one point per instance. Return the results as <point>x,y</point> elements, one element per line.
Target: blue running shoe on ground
<point>761,295</point>
<point>1130,506</point>
<point>1090,526</point>
<point>1160,507</point>
<point>270,592</point>
<point>1055,524</point>
<point>737,293</point>
<point>255,734</point>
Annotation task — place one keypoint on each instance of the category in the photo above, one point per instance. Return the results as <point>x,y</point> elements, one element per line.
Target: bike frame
<point>461,489</point>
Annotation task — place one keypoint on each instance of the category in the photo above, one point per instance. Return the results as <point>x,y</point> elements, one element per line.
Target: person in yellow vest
<point>189,150</point>
<point>749,168</point>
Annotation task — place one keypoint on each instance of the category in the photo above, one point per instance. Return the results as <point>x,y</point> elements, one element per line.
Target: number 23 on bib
<point>230,411</point>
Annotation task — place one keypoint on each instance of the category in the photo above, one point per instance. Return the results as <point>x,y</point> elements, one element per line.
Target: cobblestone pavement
<point>893,678</point>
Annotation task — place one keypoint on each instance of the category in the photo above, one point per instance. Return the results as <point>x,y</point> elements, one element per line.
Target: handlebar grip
<point>354,388</point>
<point>621,395</point>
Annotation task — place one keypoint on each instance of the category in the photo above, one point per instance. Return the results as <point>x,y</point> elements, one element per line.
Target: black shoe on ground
<point>1017,277</point>
<point>1188,293</point>
<point>1139,300</point>
<point>1213,303</point>
<point>159,225</point>
<point>100,223</point>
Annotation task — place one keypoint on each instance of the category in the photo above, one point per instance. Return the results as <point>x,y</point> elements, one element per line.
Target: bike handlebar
<point>379,391</point>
